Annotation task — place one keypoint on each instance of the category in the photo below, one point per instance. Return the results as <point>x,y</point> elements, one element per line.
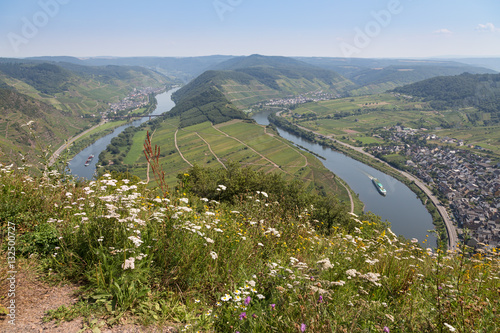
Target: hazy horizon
<point>361,29</point>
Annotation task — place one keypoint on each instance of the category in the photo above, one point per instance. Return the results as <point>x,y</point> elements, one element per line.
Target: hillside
<point>378,75</point>
<point>201,101</point>
<point>61,100</point>
<point>236,259</point>
<point>477,90</point>
<point>28,127</point>
<point>248,80</point>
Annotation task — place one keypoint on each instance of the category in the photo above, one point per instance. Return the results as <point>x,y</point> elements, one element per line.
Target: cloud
<point>488,27</point>
<point>442,32</point>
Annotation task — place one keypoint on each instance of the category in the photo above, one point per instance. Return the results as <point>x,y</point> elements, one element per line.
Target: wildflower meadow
<point>238,259</point>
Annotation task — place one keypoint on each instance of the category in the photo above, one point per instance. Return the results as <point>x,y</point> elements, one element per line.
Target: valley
<point>210,124</point>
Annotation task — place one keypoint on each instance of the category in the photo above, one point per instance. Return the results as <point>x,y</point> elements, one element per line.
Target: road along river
<point>401,207</point>
<point>77,164</point>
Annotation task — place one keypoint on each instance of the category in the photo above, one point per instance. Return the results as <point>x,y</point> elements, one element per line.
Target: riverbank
<point>441,220</point>
<point>96,132</point>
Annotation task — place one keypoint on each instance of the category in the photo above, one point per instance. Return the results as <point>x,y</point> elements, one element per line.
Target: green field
<point>357,119</point>
<point>246,143</point>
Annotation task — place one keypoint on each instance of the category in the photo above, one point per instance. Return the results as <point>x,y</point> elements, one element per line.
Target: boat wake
<point>367,174</point>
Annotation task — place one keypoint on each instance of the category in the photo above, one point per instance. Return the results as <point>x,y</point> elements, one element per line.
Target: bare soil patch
<point>34,298</point>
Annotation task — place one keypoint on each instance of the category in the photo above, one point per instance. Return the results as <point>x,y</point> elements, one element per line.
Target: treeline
<point>478,90</point>
<point>289,127</point>
<point>118,148</point>
<point>239,182</point>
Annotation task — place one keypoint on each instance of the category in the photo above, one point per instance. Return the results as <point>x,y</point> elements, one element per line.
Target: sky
<point>182,28</point>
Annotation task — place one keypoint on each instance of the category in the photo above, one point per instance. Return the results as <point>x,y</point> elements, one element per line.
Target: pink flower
<point>247,300</point>
<point>386,329</point>
<point>243,315</point>
<point>303,327</point>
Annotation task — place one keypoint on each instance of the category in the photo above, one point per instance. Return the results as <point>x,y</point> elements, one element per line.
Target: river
<point>77,164</point>
<point>401,207</point>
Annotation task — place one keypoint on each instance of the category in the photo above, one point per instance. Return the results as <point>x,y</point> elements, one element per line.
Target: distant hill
<point>243,81</point>
<point>478,90</point>
<point>76,88</point>
<point>249,80</point>
<point>378,75</point>
<point>370,75</point>
<point>181,68</point>
<point>491,63</point>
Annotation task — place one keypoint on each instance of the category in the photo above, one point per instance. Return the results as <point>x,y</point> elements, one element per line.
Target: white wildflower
<point>325,263</point>
<point>371,262</point>
<point>129,263</point>
<point>451,328</point>
<point>351,272</point>
<point>214,255</point>
<point>338,283</point>
<point>137,241</point>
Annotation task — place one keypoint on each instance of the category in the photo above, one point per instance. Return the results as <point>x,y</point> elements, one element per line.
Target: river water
<point>401,207</point>
<point>77,164</point>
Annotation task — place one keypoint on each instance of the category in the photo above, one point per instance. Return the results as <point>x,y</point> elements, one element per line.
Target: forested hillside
<point>477,90</point>
<point>46,78</point>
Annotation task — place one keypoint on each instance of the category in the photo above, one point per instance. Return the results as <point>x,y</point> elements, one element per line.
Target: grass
<point>135,154</point>
<point>247,266</point>
<point>358,118</point>
<point>234,141</point>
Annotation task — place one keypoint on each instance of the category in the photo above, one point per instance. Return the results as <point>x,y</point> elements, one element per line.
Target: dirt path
<point>178,150</point>
<point>350,196</point>
<point>34,298</point>
<point>262,156</point>
<point>210,148</point>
